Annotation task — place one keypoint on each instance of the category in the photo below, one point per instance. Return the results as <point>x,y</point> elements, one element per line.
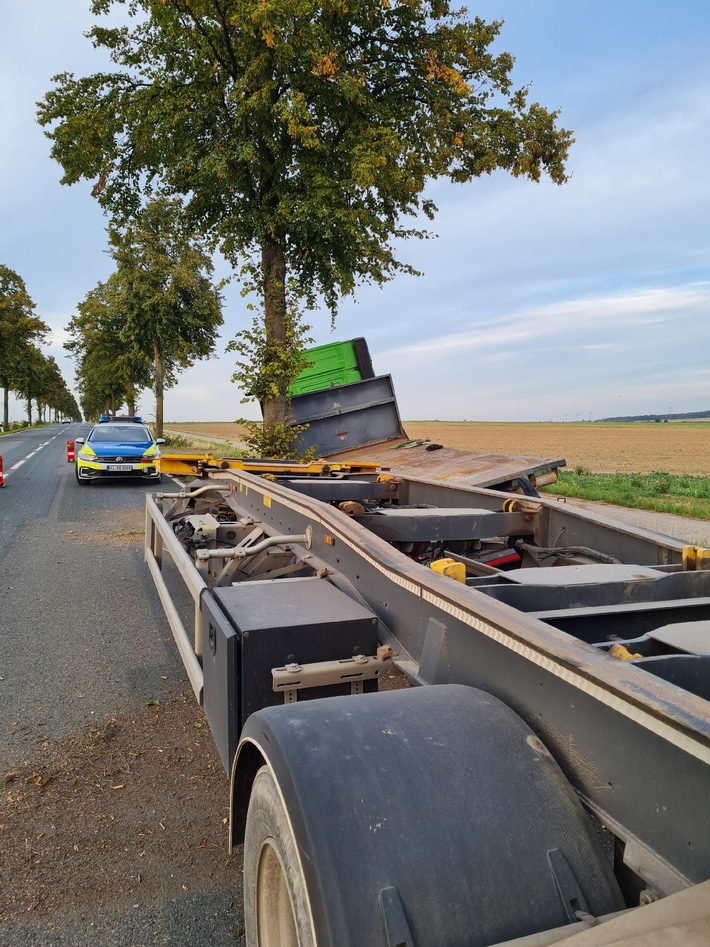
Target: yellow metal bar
<point>195,464</point>
<point>695,558</point>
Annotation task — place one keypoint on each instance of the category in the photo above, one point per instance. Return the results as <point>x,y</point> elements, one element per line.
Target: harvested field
<point>677,448</point>
<point>601,448</point>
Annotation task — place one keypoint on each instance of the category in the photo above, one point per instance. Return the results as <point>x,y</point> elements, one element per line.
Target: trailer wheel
<point>430,816</point>
<point>274,888</point>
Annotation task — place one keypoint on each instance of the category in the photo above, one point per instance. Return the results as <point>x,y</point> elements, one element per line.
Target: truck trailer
<point>542,773</point>
<point>454,712</point>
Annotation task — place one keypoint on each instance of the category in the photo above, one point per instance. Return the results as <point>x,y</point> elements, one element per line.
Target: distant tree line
<point>25,370</point>
<point>686,416</point>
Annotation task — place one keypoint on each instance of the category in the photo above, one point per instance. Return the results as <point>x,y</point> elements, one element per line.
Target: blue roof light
<point>112,418</point>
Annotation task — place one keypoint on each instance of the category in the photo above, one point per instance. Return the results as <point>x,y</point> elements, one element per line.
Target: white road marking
<point>36,451</point>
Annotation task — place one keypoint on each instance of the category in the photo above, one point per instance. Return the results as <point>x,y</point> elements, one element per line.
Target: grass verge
<point>662,492</point>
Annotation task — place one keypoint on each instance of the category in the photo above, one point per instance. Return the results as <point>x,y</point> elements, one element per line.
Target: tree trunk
<point>158,390</point>
<point>29,411</point>
<point>273,267</point>
<point>6,409</point>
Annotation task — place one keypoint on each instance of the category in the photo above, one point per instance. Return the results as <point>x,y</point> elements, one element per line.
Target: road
<point>60,578</point>
<point>84,646</point>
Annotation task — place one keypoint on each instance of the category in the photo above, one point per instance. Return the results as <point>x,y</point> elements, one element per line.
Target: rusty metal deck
<point>449,464</point>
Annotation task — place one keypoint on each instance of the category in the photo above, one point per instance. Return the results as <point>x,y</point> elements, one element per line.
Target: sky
<point>538,302</point>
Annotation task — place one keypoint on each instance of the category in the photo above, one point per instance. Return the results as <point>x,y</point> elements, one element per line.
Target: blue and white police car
<point>118,447</point>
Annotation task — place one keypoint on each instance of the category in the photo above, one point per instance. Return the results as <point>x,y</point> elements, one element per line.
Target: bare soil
<point>132,811</point>
<point>677,448</point>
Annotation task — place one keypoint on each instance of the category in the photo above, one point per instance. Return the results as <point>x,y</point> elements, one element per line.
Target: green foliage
<point>168,302</point>
<point>301,134</point>
<point>265,366</point>
<point>14,426</point>
<point>23,367</point>
<point>152,318</point>
<point>175,441</point>
<point>19,326</point>
<point>663,492</point>
<point>108,370</point>
<point>314,120</point>
<point>275,441</point>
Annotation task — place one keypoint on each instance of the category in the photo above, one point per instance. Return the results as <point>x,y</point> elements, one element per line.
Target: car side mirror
<point>78,440</point>
<point>160,440</point>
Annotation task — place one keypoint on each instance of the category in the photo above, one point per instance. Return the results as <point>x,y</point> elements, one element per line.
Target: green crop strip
<point>662,492</point>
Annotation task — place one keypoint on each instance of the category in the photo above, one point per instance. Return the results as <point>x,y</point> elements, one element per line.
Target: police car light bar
<point>111,418</point>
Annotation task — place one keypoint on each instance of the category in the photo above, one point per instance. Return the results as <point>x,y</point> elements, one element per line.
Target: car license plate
<point>120,468</point>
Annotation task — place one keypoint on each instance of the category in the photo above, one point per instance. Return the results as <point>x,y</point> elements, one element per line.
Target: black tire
<point>400,817</point>
<point>276,905</point>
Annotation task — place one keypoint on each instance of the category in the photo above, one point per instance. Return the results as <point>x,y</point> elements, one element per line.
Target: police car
<point>118,447</point>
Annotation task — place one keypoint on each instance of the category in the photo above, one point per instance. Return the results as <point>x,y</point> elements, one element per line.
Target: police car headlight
<point>92,458</point>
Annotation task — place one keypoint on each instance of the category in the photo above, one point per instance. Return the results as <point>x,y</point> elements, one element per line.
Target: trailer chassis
<point>633,745</point>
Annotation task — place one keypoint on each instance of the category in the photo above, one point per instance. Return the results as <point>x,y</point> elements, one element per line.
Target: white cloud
<point>626,310</point>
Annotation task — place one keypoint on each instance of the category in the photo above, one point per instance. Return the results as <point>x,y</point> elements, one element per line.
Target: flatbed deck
<point>451,465</point>
<point>443,465</point>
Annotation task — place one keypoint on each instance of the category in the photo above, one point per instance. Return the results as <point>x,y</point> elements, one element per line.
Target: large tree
<point>302,132</point>
<point>170,310</point>
<point>20,329</point>
<point>154,315</point>
<point>108,371</point>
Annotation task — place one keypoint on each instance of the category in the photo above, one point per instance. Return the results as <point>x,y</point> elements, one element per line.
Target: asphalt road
<point>63,579</point>
<point>83,638</point>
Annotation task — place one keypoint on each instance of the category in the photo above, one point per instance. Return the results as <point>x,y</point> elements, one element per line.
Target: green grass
<point>662,492</point>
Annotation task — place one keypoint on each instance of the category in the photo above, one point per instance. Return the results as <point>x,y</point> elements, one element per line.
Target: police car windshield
<point>124,433</point>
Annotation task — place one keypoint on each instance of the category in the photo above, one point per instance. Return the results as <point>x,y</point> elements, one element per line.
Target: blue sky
<point>538,302</point>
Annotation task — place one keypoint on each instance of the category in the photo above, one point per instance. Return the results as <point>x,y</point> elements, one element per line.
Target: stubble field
<point>674,447</point>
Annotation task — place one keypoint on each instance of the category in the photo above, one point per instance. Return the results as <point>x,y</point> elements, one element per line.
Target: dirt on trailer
<point>672,447</point>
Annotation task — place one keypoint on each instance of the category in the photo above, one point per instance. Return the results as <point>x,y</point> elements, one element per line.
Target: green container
<point>331,365</point>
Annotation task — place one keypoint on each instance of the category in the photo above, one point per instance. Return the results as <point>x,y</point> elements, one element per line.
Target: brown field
<point>677,448</point>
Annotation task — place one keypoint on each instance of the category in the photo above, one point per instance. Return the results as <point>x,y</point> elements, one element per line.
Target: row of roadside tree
<point>25,370</point>
<point>156,313</point>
